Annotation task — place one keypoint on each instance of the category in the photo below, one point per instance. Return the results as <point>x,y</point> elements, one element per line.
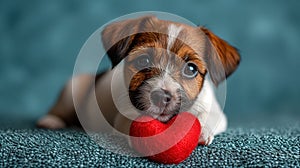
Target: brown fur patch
<point>228,55</point>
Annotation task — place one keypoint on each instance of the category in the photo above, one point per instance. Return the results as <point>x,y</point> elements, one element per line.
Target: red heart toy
<point>168,143</point>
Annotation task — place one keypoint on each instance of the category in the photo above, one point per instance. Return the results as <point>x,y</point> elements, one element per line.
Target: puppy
<point>160,68</point>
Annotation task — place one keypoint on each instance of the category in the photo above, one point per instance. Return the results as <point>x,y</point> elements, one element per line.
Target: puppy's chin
<point>162,117</point>
<point>163,114</point>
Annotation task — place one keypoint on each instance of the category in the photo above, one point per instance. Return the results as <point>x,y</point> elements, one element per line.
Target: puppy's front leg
<point>206,136</point>
<point>215,123</point>
<point>63,112</point>
<point>211,116</point>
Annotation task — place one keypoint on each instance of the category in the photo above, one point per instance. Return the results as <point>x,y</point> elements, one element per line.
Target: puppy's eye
<point>190,70</point>
<point>142,62</point>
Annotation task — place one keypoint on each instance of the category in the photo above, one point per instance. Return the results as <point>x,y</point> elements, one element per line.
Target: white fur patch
<point>164,82</point>
<point>173,32</point>
<point>207,109</point>
<point>203,102</point>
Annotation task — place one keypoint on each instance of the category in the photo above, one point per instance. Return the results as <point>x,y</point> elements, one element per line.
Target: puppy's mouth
<point>159,104</point>
<point>163,117</point>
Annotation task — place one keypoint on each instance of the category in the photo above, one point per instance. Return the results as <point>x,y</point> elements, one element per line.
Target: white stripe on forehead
<point>173,32</point>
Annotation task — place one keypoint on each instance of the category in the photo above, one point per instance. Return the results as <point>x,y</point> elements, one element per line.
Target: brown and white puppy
<point>163,69</point>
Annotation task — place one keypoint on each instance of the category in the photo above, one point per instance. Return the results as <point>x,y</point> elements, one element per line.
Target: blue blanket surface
<point>236,147</point>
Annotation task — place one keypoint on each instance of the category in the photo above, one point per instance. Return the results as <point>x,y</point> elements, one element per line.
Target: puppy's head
<point>166,62</point>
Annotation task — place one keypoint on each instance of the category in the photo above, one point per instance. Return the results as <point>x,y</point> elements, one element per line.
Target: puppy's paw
<point>51,122</point>
<point>206,136</point>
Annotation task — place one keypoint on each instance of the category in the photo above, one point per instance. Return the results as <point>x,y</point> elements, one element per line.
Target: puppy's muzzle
<point>160,98</point>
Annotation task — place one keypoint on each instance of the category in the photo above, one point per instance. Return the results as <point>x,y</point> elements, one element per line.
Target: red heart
<point>168,143</point>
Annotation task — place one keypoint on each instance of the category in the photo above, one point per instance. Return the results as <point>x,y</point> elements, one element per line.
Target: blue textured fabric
<point>69,148</point>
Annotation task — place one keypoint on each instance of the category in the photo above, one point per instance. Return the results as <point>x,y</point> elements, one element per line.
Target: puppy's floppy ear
<point>118,37</point>
<point>224,62</point>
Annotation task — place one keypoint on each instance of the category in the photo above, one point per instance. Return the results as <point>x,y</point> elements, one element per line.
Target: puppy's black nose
<point>160,97</point>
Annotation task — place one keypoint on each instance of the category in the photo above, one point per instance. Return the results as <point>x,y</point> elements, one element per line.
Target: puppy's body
<point>160,69</point>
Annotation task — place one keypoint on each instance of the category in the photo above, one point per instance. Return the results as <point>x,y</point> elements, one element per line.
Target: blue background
<point>40,39</point>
